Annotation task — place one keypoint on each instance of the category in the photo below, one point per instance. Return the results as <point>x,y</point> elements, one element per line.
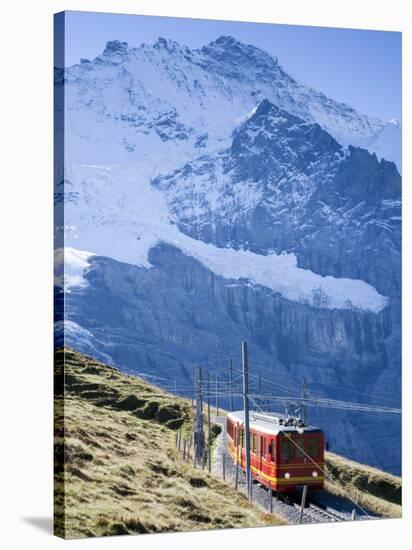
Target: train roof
<point>270,423</point>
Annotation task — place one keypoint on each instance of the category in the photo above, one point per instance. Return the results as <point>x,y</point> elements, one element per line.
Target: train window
<point>299,447</point>
<point>314,446</point>
<point>286,449</point>
<point>272,450</point>
<point>241,438</point>
<point>264,446</point>
<point>255,443</point>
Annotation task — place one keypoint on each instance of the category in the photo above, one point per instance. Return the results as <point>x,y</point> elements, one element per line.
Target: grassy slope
<point>379,491</point>
<point>118,471</point>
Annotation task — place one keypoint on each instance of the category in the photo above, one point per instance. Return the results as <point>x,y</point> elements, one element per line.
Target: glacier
<point>103,220</point>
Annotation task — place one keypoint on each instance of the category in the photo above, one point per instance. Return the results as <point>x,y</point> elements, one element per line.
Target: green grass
<point>117,469</point>
<point>378,491</point>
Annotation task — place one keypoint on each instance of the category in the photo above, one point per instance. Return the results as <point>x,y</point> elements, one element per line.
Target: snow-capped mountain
<point>285,185</point>
<point>165,98</point>
<point>206,197</point>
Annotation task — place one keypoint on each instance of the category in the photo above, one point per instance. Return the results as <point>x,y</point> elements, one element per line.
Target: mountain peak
<point>169,45</point>
<point>265,107</point>
<point>229,49</point>
<point>267,114</point>
<point>225,40</point>
<point>271,117</point>
<point>247,74</point>
<point>275,136</point>
<point>115,47</point>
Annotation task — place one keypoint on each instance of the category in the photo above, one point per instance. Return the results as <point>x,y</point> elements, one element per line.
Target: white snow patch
<point>387,143</point>
<point>281,273</point>
<point>70,265</point>
<point>245,117</point>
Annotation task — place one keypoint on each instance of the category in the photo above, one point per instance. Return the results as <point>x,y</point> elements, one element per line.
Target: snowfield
<point>116,213</point>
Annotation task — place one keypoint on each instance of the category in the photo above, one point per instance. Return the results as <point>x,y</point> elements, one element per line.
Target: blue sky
<point>361,67</point>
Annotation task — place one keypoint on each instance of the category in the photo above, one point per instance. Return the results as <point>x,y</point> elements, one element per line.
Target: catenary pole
<point>217,397</point>
<point>231,383</point>
<point>201,393</point>
<point>198,434</point>
<point>245,375</point>
<point>209,435</point>
<point>304,395</point>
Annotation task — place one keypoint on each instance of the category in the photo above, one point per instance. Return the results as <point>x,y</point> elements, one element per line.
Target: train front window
<point>299,447</point>
<point>286,451</point>
<point>314,447</point>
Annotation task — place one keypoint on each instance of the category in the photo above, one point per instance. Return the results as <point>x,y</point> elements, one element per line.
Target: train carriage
<point>284,453</point>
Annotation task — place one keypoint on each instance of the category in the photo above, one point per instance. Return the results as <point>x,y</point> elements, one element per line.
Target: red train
<point>284,452</point>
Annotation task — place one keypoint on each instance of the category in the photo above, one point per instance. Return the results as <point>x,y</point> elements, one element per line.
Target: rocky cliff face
<point>180,302</point>
<point>159,322</point>
<point>209,198</point>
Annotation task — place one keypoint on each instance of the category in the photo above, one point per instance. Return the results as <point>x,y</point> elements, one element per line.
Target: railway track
<point>318,514</point>
<point>286,506</point>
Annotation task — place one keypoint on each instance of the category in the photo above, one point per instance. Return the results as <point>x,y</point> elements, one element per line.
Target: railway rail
<point>322,515</point>
<point>334,515</point>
